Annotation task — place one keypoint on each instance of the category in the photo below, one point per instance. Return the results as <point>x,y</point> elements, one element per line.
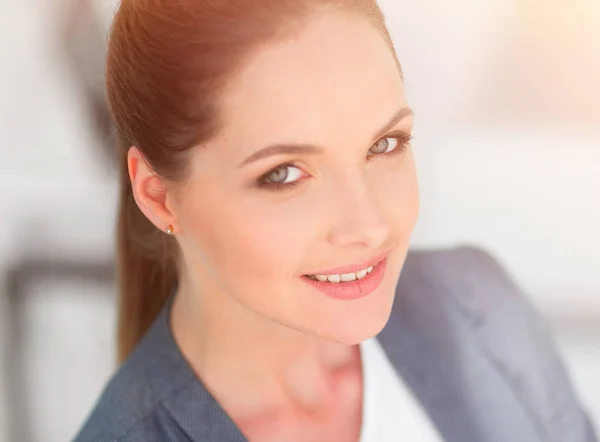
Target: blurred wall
<point>507,103</point>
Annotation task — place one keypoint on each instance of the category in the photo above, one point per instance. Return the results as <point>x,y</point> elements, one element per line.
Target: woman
<point>269,194</point>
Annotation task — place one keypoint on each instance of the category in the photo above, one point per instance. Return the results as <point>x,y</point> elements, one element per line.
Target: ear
<point>150,192</point>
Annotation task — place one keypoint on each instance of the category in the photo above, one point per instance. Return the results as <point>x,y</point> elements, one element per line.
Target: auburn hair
<point>168,62</point>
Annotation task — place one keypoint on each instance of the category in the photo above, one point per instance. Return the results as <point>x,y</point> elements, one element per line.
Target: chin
<point>364,324</point>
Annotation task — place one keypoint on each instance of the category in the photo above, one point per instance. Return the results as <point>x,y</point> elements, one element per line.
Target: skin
<point>278,355</point>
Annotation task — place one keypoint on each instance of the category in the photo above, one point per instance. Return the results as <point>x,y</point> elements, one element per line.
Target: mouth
<point>350,282</point>
<point>341,278</point>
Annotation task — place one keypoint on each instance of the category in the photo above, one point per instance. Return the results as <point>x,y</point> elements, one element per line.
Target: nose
<point>360,219</point>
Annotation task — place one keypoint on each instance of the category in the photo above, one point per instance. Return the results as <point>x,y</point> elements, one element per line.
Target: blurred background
<point>507,101</point>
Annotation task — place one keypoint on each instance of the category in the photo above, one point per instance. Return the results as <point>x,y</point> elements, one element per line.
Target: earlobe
<point>150,192</point>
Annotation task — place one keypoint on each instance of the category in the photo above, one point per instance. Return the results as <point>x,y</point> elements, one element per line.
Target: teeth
<point>334,278</point>
<point>346,277</point>
<point>361,274</point>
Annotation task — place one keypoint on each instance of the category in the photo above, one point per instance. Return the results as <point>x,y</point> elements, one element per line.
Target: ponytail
<point>146,269</point>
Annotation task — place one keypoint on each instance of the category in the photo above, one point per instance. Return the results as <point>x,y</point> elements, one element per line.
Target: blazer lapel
<point>424,345</point>
<point>457,337</point>
<point>185,397</point>
<point>201,417</point>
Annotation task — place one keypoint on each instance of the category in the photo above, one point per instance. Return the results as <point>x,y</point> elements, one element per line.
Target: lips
<point>337,278</point>
<point>350,282</point>
<point>353,268</point>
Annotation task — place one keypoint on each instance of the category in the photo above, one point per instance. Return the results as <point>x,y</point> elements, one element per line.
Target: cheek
<point>412,190</point>
<point>244,243</point>
<point>398,190</point>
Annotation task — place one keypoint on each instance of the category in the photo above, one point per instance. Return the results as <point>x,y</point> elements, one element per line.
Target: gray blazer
<point>466,341</point>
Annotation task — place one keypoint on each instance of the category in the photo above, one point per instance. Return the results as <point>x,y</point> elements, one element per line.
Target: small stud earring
<point>169,230</point>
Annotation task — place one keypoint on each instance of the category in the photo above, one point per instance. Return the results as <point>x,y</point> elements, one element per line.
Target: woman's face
<point>312,174</point>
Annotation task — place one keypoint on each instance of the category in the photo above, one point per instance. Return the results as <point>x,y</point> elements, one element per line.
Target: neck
<point>251,363</point>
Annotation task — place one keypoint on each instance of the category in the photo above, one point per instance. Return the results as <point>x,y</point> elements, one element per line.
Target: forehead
<point>337,75</point>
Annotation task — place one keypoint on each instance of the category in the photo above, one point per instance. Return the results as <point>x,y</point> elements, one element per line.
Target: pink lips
<point>352,268</point>
<point>353,289</point>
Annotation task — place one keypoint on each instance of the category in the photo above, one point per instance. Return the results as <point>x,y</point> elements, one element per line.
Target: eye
<point>282,175</point>
<point>394,144</point>
<point>383,146</point>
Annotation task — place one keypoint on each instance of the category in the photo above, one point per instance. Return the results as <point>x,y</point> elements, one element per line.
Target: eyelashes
<point>401,141</point>
<point>279,177</point>
<point>289,175</point>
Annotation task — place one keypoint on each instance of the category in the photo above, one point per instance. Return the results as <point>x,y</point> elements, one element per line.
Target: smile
<point>351,282</point>
<point>343,277</point>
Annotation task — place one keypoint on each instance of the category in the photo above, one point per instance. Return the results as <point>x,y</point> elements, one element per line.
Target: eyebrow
<point>311,149</point>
